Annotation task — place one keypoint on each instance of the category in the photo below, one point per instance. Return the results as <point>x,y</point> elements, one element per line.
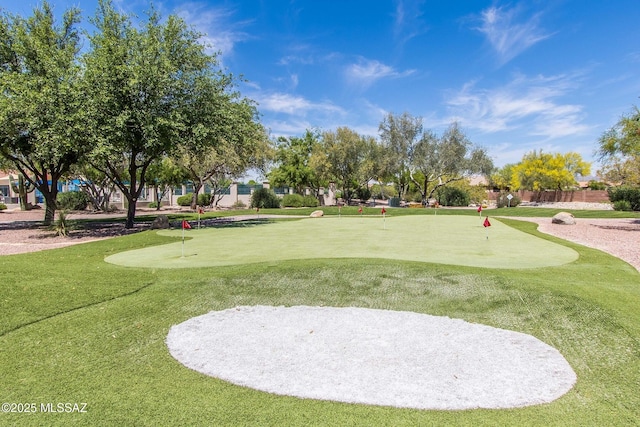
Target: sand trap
<point>375,357</point>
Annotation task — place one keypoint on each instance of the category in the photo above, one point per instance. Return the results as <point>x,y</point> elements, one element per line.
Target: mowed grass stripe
<point>454,240</point>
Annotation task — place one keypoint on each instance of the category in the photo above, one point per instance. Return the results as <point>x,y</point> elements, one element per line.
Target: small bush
<point>185,200</point>
<point>72,201</point>
<point>622,205</point>
<point>363,193</point>
<point>3,206</point>
<point>239,205</point>
<point>62,225</point>
<point>629,194</point>
<point>264,198</point>
<point>503,202</point>
<point>310,202</point>
<point>452,196</point>
<point>597,185</point>
<point>204,199</point>
<point>153,205</point>
<point>292,201</point>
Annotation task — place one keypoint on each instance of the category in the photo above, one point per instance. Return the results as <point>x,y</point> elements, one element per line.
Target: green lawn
<point>457,240</point>
<point>83,330</point>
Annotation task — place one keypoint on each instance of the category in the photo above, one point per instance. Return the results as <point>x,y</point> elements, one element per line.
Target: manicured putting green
<point>457,240</point>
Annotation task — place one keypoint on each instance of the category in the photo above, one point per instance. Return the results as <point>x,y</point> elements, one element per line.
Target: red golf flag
<point>185,225</point>
<point>486,222</point>
<point>383,211</point>
<point>360,209</point>
<point>480,208</point>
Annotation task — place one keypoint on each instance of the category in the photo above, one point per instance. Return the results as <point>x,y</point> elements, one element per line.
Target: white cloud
<point>407,20</point>
<point>507,36</point>
<point>220,32</point>
<point>367,71</point>
<point>294,105</point>
<point>528,105</point>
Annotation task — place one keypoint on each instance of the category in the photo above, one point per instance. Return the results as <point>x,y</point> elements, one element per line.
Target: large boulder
<point>160,222</point>
<point>316,214</point>
<point>564,218</point>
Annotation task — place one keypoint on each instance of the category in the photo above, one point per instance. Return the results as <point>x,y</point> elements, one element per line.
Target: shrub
<point>61,225</point>
<point>292,201</point>
<point>382,192</point>
<point>264,198</point>
<point>3,206</point>
<point>452,196</point>
<point>503,202</point>
<point>185,200</point>
<point>72,201</point>
<point>629,194</point>
<point>153,205</point>
<point>597,185</point>
<point>363,193</point>
<point>204,199</point>
<point>622,205</point>
<point>310,202</point>
<point>239,205</point>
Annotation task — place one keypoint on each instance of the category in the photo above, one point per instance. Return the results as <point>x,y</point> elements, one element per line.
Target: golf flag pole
<point>480,211</point>
<point>185,225</point>
<point>486,225</point>
<point>360,212</point>
<point>384,217</point>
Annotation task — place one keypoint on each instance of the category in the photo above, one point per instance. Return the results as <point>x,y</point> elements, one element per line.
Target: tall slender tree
<point>438,161</point>
<point>41,110</point>
<point>399,135</point>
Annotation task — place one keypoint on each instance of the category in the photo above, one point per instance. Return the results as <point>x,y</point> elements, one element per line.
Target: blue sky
<point>517,76</point>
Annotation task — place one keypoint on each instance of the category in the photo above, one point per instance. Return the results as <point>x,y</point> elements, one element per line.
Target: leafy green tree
<point>619,150</point>
<point>540,171</point>
<point>218,184</point>
<point>347,159</point>
<point>501,177</point>
<point>222,136</point>
<point>163,175</point>
<point>41,108</point>
<point>399,135</point>
<point>95,184</point>
<point>293,157</point>
<point>623,138</point>
<point>137,82</point>
<point>621,170</point>
<point>436,162</point>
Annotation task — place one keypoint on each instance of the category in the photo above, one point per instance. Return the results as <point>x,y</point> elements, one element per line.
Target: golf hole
<point>374,357</point>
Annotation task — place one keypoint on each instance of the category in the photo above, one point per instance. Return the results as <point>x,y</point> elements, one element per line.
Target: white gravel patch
<point>376,357</point>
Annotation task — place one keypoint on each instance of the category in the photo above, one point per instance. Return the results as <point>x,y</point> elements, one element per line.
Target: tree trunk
<point>194,198</point>
<point>131,212</point>
<point>50,207</point>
